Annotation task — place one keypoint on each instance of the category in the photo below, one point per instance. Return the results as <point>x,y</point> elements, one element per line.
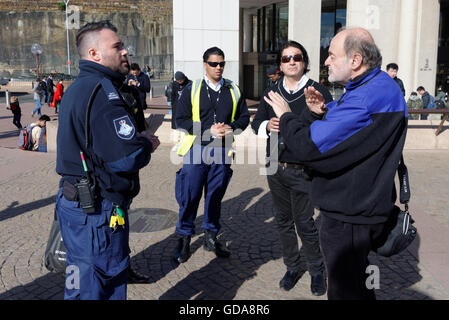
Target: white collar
<point>214,87</point>
<point>300,85</point>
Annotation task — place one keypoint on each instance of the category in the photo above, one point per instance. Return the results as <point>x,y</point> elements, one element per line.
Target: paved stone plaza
<point>28,185</point>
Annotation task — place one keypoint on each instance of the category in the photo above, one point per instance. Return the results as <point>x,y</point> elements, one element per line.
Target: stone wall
<point>145,24</point>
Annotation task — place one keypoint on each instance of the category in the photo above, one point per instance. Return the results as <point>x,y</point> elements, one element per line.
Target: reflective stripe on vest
<point>187,141</point>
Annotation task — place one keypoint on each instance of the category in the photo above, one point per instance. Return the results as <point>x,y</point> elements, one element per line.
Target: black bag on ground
<point>55,253</point>
<point>399,231</point>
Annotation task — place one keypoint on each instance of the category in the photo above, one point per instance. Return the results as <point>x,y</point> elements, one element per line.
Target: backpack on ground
<point>24,141</point>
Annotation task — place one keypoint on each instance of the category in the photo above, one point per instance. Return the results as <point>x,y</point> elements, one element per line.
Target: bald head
<point>359,40</point>
<point>351,53</point>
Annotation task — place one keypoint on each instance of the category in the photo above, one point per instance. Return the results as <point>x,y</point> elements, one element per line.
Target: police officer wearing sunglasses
<point>290,184</point>
<point>209,111</point>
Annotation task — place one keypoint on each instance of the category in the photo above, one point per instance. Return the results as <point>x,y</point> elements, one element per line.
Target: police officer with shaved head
<point>99,153</point>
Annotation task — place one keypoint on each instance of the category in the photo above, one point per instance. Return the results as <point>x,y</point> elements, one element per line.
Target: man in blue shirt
<point>97,186</point>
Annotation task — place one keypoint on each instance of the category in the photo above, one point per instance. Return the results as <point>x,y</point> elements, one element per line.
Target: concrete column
<point>428,18</point>
<point>406,32</point>
<point>304,26</point>
<point>382,19</point>
<point>201,24</point>
<point>408,38</point>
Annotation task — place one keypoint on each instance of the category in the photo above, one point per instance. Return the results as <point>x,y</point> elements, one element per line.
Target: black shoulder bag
<point>399,231</point>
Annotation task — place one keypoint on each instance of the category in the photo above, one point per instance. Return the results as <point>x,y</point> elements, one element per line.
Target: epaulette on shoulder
<point>109,89</point>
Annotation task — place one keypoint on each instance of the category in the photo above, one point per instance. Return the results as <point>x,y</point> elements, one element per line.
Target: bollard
<point>151,93</point>
<point>7,98</point>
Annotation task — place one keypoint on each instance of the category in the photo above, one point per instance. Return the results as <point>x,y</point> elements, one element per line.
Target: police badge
<point>124,128</point>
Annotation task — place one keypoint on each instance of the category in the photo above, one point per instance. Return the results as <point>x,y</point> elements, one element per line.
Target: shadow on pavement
<point>9,134</point>
<point>252,239</point>
<point>48,287</point>
<point>14,209</point>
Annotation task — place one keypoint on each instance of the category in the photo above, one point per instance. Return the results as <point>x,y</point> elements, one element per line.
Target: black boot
<point>135,277</point>
<point>182,253</point>
<point>211,244</point>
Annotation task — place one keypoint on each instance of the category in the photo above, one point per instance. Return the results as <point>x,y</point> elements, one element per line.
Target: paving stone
<point>255,266</point>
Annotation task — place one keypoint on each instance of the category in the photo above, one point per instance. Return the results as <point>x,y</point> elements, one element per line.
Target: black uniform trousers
<point>345,248</point>
<point>294,215</point>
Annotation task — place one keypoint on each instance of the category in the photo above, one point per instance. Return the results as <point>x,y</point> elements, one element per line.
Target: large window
<point>333,17</point>
<point>273,26</point>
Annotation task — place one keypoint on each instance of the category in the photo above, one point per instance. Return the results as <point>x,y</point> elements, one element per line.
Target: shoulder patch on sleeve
<point>124,128</point>
<point>109,90</point>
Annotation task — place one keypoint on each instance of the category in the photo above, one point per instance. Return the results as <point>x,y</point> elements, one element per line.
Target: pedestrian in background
<point>178,85</point>
<point>428,102</point>
<point>58,96</point>
<point>51,89</point>
<point>38,132</point>
<point>414,102</point>
<point>37,91</point>
<point>141,82</point>
<point>274,74</point>
<point>392,70</point>
<point>14,106</point>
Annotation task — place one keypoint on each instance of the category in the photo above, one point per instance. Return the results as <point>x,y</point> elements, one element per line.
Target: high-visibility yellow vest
<point>188,139</point>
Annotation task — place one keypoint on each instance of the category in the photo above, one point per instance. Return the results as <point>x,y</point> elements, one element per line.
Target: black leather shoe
<point>182,253</point>
<point>212,244</point>
<point>289,280</point>
<point>318,284</point>
<point>135,277</point>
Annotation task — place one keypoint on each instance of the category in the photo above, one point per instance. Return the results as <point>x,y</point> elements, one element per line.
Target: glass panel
<point>281,25</point>
<point>333,17</point>
<point>442,80</point>
<point>268,36</point>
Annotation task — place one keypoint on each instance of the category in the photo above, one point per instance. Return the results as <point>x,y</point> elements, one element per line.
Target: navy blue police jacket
<point>354,150</point>
<point>219,103</point>
<point>116,153</point>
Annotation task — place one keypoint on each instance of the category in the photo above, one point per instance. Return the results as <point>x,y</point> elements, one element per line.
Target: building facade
<point>412,33</point>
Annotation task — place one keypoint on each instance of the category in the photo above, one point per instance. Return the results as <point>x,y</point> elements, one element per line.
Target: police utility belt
<point>84,190</point>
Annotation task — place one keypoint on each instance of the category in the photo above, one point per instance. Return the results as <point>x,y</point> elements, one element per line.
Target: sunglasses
<point>296,58</point>
<point>215,64</point>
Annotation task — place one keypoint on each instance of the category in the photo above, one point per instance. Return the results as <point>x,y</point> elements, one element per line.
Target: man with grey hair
<point>353,147</point>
